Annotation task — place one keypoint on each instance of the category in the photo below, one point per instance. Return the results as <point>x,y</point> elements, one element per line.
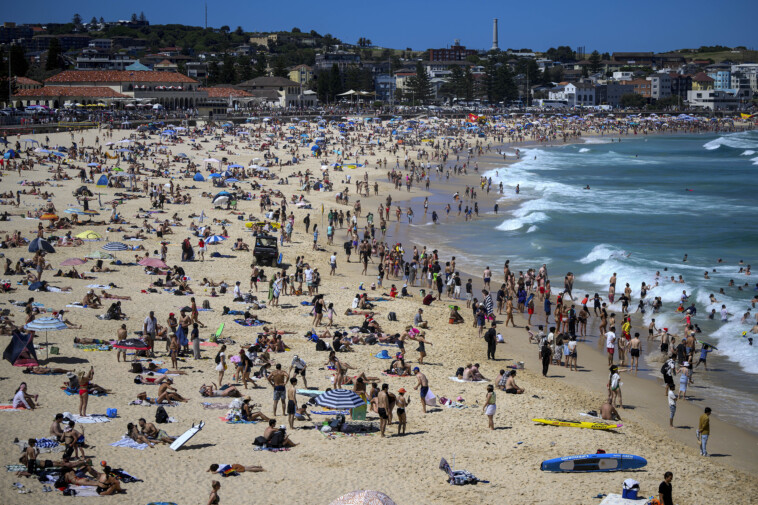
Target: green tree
<point>245,70</point>
<point>280,68</point>
<point>93,21</point>
<point>296,30</point>
<point>585,71</point>
<point>228,74</point>
<point>420,85</point>
<point>322,87</point>
<point>77,20</point>
<point>53,55</point>
<point>595,64</point>
<point>260,65</point>
<point>19,65</point>
<point>561,54</point>
<point>457,82</point>
<point>239,31</point>
<point>633,100</point>
<point>134,17</point>
<point>142,17</point>
<point>102,20</point>
<point>214,72</point>
<point>335,82</point>
<point>672,102</point>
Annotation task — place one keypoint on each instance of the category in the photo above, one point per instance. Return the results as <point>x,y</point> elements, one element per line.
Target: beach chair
<point>216,335</point>
<point>457,477</point>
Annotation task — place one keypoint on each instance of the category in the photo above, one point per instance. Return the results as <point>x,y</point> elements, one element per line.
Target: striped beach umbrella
<point>40,244</point>
<point>214,239</point>
<point>46,324</point>
<point>339,399</point>
<point>115,246</point>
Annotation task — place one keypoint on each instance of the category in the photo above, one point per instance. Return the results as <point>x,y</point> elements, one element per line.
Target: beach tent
<point>102,182</point>
<point>40,244</point>
<point>20,350</point>
<point>198,177</point>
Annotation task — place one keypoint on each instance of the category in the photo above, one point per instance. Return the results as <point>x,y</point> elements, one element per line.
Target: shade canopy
<point>339,399</point>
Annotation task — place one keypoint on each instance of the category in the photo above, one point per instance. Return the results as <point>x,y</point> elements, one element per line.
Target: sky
<point>605,25</point>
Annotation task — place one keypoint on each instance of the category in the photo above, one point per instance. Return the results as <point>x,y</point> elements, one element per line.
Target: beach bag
<point>136,367</point>
<point>392,316</point>
<point>206,304</point>
<point>665,369</point>
<point>111,413</point>
<point>277,439</point>
<point>161,416</point>
<point>321,345</point>
<point>259,441</point>
<point>217,359</point>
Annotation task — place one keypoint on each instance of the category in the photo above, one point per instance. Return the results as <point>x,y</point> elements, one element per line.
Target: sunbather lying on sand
<point>211,391</point>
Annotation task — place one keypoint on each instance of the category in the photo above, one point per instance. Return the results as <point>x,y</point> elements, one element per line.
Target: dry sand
<point>320,469</point>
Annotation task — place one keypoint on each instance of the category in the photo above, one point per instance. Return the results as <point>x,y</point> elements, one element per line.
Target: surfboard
<point>709,345</point>
<point>594,463</point>
<point>186,436</point>
<point>578,424</point>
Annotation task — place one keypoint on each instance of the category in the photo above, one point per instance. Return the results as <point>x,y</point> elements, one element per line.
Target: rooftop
<point>115,76</point>
<point>71,91</point>
<point>225,92</point>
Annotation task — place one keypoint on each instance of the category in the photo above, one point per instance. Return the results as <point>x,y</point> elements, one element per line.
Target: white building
<point>660,86</point>
<point>712,99</point>
<point>623,76</point>
<point>580,94</point>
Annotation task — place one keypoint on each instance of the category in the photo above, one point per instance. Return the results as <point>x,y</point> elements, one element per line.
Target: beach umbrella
<point>231,180</point>
<point>40,244</point>
<point>99,255</point>
<point>220,200</point>
<point>48,216</point>
<point>152,262</point>
<point>363,497</point>
<point>73,262</point>
<point>93,164</point>
<point>214,239</point>
<point>89,235</point>
<point>214,176</point>
<point>132,343</point>
<point>235,166</point>
<point>46,324</point>
<point>339,399</point>
<point>115,246</point>
<point>211,160</point>
<point>73,210</point>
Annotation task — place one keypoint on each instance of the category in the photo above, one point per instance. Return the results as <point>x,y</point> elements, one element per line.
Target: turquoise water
<point>652,200</point>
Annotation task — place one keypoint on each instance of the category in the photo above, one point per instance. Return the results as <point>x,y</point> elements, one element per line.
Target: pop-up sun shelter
<point>20,350</point>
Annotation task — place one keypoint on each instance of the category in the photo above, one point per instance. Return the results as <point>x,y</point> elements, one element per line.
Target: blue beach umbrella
<point>40,244</point>
<point>115,246</point>
<point>214,239</point>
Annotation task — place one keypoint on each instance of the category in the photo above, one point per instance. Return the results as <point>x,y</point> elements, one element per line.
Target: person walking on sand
<point>614,387</point>
<point>672,405</point>
<point>610,344</point>
<point>423,384</point>
<point>490,407</point>
<point>221,365</point>
<point>704,431</point>
<point>402,403</point>
<point>635,346</point>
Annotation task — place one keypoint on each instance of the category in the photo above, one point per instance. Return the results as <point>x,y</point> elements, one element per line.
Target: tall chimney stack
<point>494,36</point>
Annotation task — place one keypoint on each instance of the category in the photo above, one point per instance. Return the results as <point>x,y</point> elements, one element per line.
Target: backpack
<point>321,345</point>
<point>136,367</point>
<point>259,441</point>
<point>217,359</point>
<point>665,368</point>
<point>392,316</point>
<point>459,372</point>
<point>161,416</point>
<point>206,304</point>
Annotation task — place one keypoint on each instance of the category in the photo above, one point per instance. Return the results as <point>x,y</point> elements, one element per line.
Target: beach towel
<point>85,491</point>
<point>90,419</point>
<point>330,412</point>
<point>331,435</point>
<point>383,354</point>
<point>272,449</point>
<point>131,444</point>
<point>92,347</point>
<point>47,443</point>
<point>9,408</point>
<point>15,468</point>
<point>98,286</point>
<point>215,406</point>
<point>249,322</point>
<point>456,379</point>
<point>76,305</point>
<point>237,421</point>
<point>23,444</point>
<point>209,344</point>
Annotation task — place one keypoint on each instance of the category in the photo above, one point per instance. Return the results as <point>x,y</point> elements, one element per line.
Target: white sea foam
<point>532,229</point>
<point>603,252</point>
<point>584,150</point>
<point>754,160</point>
<point>748,152</point>
<point>519,222</point>
<point>741,140</point>
<point>734,346</point>
<point>597,140</point>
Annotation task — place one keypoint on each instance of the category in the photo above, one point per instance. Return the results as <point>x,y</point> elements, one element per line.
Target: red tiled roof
<point>114,76</point>
<point>226,92</point>
<point>27,81</point>
<point>71,91</point>
<point>702,77</point>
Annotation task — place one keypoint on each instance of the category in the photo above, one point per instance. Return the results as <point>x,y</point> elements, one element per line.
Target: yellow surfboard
<point>578,424</point>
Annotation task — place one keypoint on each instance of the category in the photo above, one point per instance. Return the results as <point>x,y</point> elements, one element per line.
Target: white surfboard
<point>179,442</point>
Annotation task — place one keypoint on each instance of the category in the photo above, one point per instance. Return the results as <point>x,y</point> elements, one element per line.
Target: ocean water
<point>651,201</point>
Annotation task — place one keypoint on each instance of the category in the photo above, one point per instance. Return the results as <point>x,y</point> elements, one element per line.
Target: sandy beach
<point>322,467</point>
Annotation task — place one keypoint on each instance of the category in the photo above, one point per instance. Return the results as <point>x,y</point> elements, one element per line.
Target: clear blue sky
<point>606,25</point>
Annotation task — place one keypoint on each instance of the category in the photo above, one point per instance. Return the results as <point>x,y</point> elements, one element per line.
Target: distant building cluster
<point>127,69</point>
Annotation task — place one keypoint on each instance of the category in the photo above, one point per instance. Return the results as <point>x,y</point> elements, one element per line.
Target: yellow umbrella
<point>89,235</point>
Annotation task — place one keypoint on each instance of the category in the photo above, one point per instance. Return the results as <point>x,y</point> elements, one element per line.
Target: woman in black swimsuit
<point>214,499</point>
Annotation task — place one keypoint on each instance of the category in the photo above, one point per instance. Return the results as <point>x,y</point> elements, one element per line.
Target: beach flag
<point>746,116</point>
<point>473,118</point>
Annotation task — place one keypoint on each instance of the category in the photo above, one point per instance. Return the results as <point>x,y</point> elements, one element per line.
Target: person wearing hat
<point>401,402</point>
<point>249,414</point>
<point>684,379</point>
<point>300,366</point>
